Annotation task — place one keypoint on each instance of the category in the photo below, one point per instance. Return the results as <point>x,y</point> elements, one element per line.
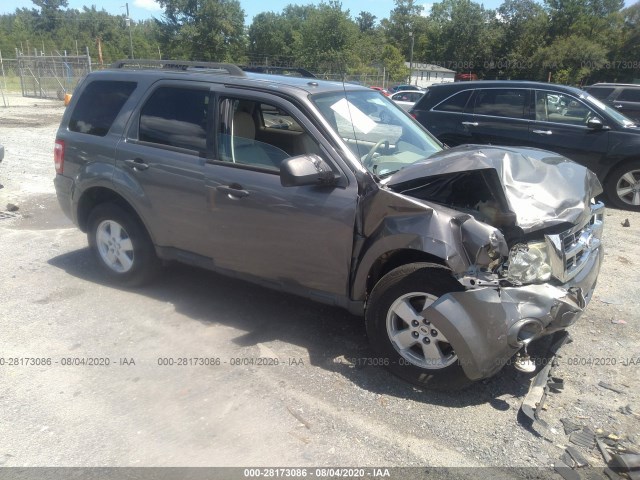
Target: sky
<point>143,9</point>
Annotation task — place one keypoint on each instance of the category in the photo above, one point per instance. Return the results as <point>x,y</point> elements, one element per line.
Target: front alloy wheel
<point>413,335</point>
<point>404,335</point>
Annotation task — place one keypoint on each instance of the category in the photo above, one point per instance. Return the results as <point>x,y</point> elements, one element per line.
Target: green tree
<point>524,25</point>
<point>203,29</point>
<point>366,22</point>
<point>404,19</point>
<point>49,13</point>
<point>581,17</point>
<point>327,38</point>
<point>571,59</point>
<point>270,35</point>
<point>462,34</point>
<point>393,61</point>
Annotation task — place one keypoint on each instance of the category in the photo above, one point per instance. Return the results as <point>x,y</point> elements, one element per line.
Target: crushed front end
<point>531,247</point>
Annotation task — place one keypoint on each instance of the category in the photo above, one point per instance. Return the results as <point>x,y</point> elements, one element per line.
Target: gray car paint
<point>336,245</point>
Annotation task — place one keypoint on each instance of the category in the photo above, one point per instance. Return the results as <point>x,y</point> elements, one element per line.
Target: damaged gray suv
<point>457,258</point>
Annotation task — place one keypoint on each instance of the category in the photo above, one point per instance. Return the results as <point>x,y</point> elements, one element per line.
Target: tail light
<point>413,115</point>
<point>58,156</point>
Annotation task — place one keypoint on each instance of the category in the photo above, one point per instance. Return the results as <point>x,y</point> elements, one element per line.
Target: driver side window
<point>259,135</point>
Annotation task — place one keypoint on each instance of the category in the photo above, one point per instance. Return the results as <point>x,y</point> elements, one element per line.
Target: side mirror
<point>595,124</point>
<point>306,170</point>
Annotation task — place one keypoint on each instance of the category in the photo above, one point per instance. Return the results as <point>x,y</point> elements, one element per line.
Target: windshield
<point>617,116</point>
<point>380,134</point>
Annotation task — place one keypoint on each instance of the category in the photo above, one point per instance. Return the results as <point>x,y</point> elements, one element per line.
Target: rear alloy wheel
<point>121,245</point>
<point>623,186</point>
<point>402,332</point>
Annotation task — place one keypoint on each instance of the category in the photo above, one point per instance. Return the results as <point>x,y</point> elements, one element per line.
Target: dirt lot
<point>314,408</point>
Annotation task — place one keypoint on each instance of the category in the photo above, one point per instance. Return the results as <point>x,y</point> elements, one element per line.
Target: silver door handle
<point>234,190</point>
<point>543,132</point>
<point>470,124</point>
<point>137,164</point>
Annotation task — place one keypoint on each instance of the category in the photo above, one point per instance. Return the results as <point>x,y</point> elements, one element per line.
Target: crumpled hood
<point>541,188</point>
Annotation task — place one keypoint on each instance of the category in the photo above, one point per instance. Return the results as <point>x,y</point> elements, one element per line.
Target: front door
<point>561,126</point>
<point>300,238</point>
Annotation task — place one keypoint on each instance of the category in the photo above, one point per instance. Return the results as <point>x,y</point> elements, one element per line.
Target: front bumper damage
<point>507,198</point>
<point>487,325</point>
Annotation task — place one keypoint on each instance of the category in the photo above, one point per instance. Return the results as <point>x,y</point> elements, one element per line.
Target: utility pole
<point>411,58</point>
<point>128,21</point>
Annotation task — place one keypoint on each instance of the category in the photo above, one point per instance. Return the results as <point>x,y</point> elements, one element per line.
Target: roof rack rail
<point>182,65</point>
<point>287,71</point>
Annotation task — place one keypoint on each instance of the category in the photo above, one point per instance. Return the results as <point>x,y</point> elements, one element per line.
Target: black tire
<point>620,178</point>
<point>117,235</point>
<point>401,285</point>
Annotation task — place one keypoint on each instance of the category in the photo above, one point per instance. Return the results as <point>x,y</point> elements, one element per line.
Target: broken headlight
<point>529,263</point>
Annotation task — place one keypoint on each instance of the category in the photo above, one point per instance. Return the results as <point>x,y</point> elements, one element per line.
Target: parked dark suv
<point>562,119</point>
<point>623,97</point>
<point>457,258</point>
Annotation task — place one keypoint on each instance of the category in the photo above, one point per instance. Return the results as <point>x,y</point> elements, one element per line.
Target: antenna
<point>355,137</point>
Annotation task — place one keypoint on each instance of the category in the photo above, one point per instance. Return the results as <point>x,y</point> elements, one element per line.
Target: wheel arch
<point>97,195</point>
<point>624,163</point>
<point>388,261</point>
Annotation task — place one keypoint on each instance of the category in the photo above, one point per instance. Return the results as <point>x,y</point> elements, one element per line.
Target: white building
<point>426,74</point>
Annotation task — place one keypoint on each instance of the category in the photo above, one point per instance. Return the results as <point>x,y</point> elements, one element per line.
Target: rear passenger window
<point>456,103</point>
<point>176,117</point>
<point>501,102</point>
<point>99,105</point>
<point>629,95</point>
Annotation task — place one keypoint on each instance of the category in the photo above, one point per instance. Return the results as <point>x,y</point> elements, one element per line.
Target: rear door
<point>446,119</point>
<point>500,117</point>
<point>160,165</point>
<point>561,126</point>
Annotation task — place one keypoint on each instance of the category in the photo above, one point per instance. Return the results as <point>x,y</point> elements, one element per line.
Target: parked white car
<point>406,98</point>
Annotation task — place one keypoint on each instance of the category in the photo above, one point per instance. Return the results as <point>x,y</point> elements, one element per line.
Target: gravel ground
<point>313,409</point>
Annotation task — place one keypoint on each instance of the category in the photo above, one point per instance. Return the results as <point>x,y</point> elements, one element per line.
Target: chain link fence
<point>52,76</point>
<point>325,71</point>
<point>43,76</point>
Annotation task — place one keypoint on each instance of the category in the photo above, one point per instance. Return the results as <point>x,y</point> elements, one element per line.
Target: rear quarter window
<point>455,103</point>
<point>99,105</point>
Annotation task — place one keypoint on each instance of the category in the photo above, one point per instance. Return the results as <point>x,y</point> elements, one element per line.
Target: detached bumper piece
<point>540,386</point>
